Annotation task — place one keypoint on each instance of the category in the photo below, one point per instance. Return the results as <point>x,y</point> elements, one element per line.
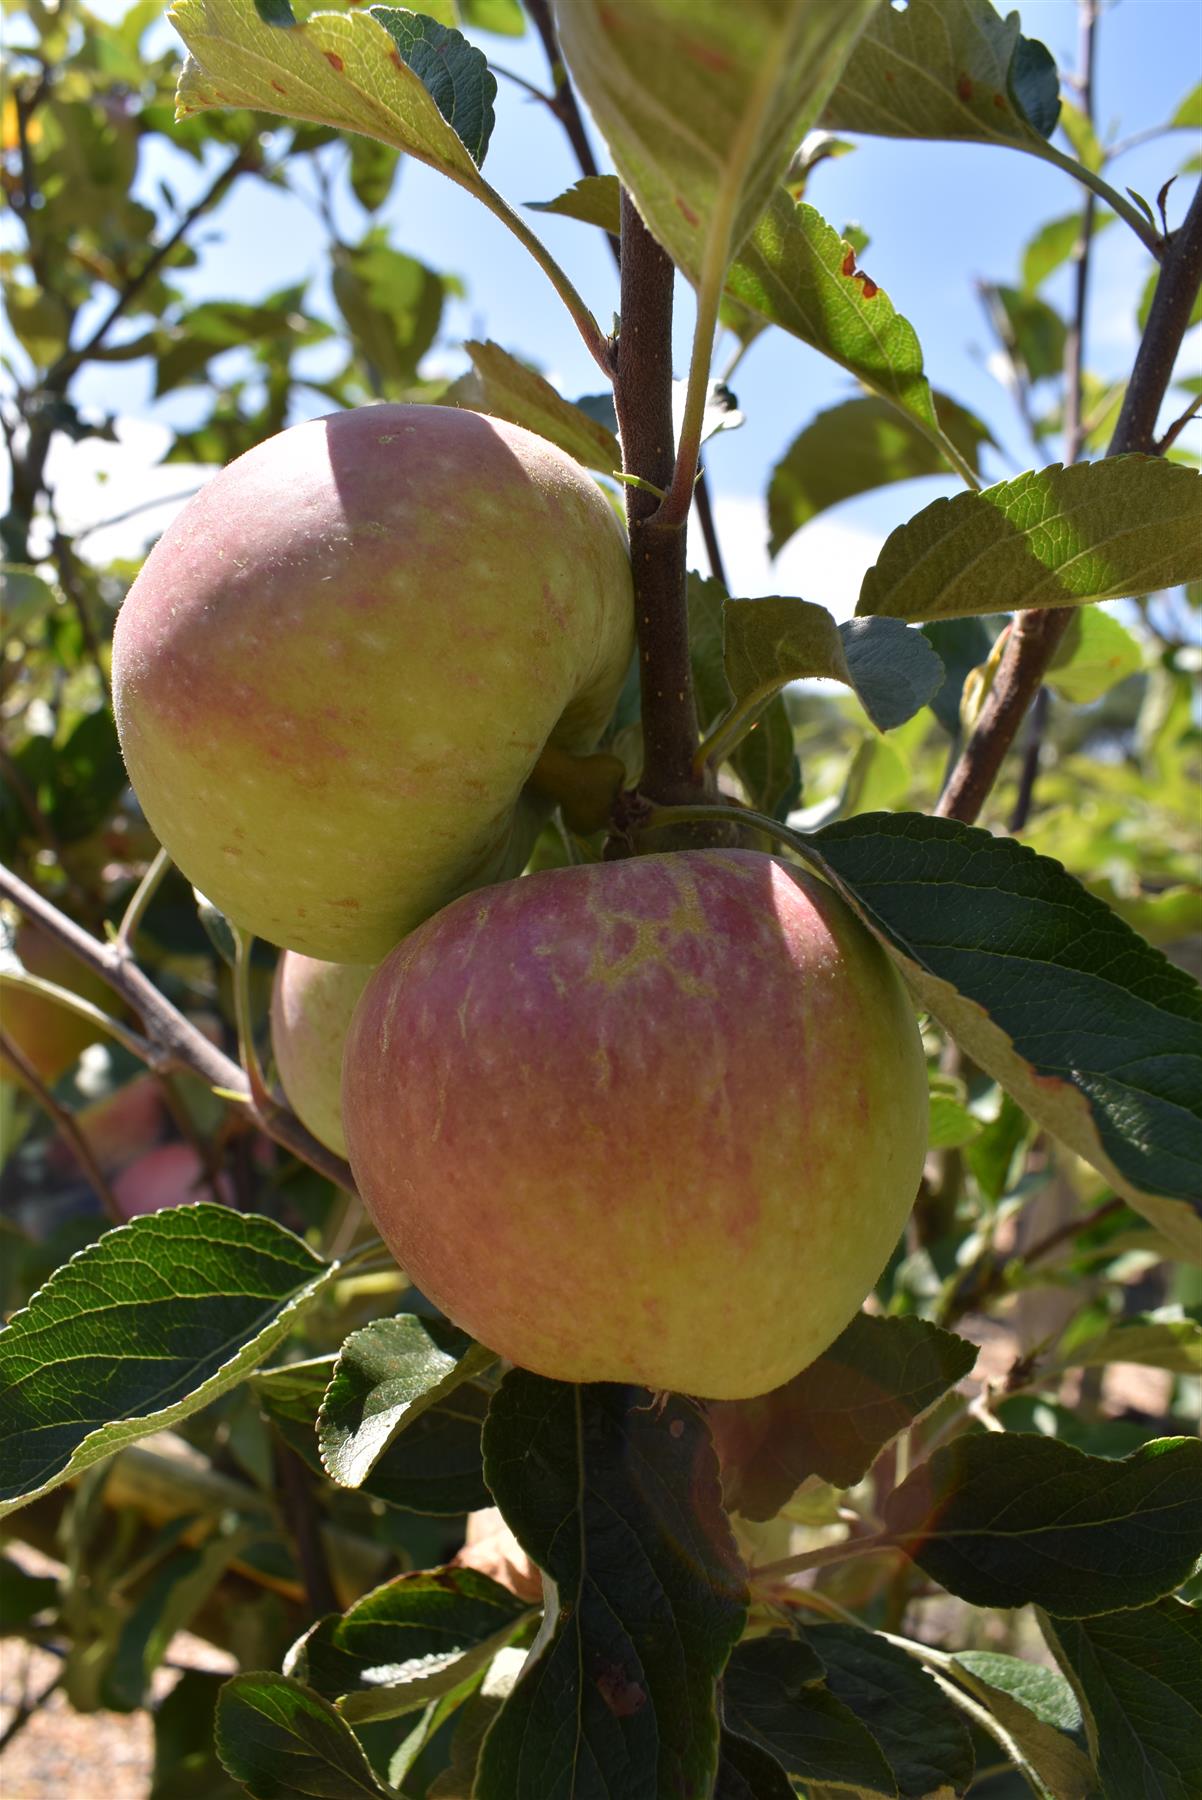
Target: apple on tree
<point>311,1007</point>
<point>340,664</point>
<point>657,1121</point>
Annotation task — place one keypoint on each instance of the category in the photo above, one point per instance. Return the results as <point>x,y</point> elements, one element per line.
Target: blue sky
<point>939,218</point>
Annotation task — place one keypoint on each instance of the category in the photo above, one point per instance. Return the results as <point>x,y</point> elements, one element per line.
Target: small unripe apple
<point>52,1037</point>
<point>658,1121</point>
<point>343,659</point>
<point>311,1007</point>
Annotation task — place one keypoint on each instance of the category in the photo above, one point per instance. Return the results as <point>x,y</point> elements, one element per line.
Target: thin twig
<point>140,899</point>
<point>709,529</point>
<point>1179,424</point>
<point>64,1122</point>
<point>131,512</point>
<point>304,1528</point>
<point>174,1042</point>
<point>1036,635</point>
<point>876,1545</point>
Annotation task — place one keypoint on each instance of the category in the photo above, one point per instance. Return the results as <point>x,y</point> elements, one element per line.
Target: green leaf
<point>1078,129</point>
<point>1038,1713</point>
<point>510,390</point>
<point>185,1762</point>
<point>616,1497</point>
<point>141,1329</point>
<point>702,107</point>
<point>1167,1339</point>
<point>765,761</point>
<point>360,71</point>
<point>952,1125</point>
<point>505,17</point>
<point>834,1419</point>
<point>386,1376</point>
<point>1095,653</point>
<point>855,447</point>
<point>800,274</point>
<point>1094,1033</point>
<point>1002,1519</point>
<point>594,200</point>
<point>373,168</point>
<point>894,673</point>
<point>1031,332</point>
<point>1188,116</point>
<point>795,271</point>
<point>433,1467</point>
<point>1138,1676</point>
<point>1053,244</point>
<point>948,69</point>
<point>280,1740</point>
<point>407,1642</point>
<point>770,642</point>
<point>1052,537</point>
<point>746,1771</point>
<point>391,302</point>
<point>774,1695</point>
<point>920,1734</point>
<point>170,1601</point>
<point>27,598</point>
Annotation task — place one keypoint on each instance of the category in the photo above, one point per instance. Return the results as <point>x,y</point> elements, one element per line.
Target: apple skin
<point>51,1037</point>
<point>311,1007</point>
<point>656,1121</point>
<point>171,1175</point>
<point>342,660</point>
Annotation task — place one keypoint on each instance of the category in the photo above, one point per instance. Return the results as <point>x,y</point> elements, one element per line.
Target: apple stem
<point>643,400</point>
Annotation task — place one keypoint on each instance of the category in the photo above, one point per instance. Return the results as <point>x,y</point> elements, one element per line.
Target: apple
<point>342,661</point>
<point>311,1007</point>
<point>51,1036</point>
<point>658,1120</point>
<point>171,1175</point>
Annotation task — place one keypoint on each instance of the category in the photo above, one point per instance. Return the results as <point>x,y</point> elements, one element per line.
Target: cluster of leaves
<point>217,1416</point>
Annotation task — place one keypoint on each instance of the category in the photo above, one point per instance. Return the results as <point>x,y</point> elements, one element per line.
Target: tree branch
<point>643,399</point>
<point>1036,635</point>
<point>177,1043</point>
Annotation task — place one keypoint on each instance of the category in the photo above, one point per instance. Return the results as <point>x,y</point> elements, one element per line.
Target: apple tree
<point>602,1181</point>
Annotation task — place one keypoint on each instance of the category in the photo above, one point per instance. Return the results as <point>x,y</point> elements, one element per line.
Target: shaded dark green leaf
<point>747,1771</point>
<point>616,1497</point>
<point>1139,1675</point>
<point>1004,1519</point>
<point>921,1735</point>
<point>407,1642</point>
<point>281,1740</point>
<point>774,1694</point>
<point>185,1761</point>
<point>1038,1712</point>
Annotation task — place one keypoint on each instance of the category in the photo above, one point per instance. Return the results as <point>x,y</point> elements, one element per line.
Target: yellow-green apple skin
<point>342,660</point>
<point>312,1004</point>
<point>658,1120</point>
